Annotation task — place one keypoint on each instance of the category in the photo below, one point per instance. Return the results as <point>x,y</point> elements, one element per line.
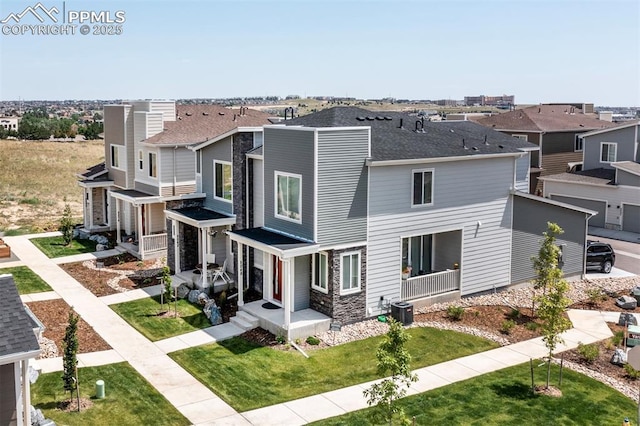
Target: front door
<point>277,279</point>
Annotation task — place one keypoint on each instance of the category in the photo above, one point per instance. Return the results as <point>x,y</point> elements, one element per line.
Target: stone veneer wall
<point>344,309</point>
<point>97,195</point>
<point>187,245</point>
<point>242,143</point>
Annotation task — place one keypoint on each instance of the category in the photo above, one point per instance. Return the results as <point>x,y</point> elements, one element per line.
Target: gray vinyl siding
<point>258,193</point>
<point>556,142</point>
<point>631,218</point>
<point>625,151</point>
<point>129,143</point>
<point>185,165</point>
<point>530,219</point>
<point>626,178</point>
<point>596,205</point>
<point>114,134</point>
<point>221,150</point>
<point>8,414</point>
<point>522,173</point>
<point>289,150</point>
<point>302,282</point>
<point>342,186</point>
<point>147,188</point>
<point>461,200</point>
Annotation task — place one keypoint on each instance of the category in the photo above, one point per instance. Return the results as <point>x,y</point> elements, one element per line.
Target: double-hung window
<point>608,152</point>
<point>578,144</point>
<point>320,272</point>
<point>350,273</point>
<point>422,187</point>
<point>153,165</point>
<point>223,180</point>
<point>116,153</point>
<point>288,193</point>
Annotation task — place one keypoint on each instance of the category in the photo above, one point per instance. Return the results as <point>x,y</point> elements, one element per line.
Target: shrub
<point>631,372</point>
<point>507,326</point>
<point>313,340</point>
<point>532,326</point>
<point>280,339</point>
<point>455,312</point>
<point>514,314</point>
<point>618,338</point>
<point>222,299</point>
<point>595,295</point>
<point>588,353</point>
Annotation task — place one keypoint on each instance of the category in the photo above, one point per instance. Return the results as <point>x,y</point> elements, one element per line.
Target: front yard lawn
<point>130,400</point>
<point>26,280</point>
<point>54,246</point>
<point>143,315</point>
<point>504,398</point>
<point>248,376</point>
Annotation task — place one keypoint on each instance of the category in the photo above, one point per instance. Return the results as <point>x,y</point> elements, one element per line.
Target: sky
<point>538,50</point>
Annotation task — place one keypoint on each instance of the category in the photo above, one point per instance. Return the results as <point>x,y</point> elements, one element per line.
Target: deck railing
<point>430,285</point>
<point>152,243</point>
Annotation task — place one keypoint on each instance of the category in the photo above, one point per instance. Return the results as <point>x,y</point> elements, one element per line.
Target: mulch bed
<point>608,304</point>
<point>54,314</point>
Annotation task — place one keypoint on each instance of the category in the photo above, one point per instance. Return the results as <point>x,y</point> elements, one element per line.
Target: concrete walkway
<point>197,403</point>
<point>201,406</point>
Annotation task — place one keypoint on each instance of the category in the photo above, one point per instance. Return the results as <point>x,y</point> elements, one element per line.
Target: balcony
<point>430,284</point>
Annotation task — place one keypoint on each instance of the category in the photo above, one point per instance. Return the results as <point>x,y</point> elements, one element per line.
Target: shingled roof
<point>16,326</point>
<point>600,176</point>
<point>545,118</point>
<point>199,123</point>
<point>391,141</point>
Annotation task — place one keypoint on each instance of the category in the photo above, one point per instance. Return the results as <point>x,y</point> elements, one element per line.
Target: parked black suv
<point>600,256</point>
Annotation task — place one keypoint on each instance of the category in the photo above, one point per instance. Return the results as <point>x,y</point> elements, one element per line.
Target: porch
<point>147,247</point>
<point>303,323</point>
<point>430,284</point>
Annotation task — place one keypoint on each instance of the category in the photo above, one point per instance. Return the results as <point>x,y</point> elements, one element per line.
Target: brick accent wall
<point>188,243</point>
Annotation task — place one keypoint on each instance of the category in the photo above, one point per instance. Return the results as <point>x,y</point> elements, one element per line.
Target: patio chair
<point>221,272</point>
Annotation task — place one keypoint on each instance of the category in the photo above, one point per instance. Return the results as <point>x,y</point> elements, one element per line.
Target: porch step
<point>244,321</point>
<point>247,317</point>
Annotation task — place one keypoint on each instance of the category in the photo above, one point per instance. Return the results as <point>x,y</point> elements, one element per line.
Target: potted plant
<point>406,271</point>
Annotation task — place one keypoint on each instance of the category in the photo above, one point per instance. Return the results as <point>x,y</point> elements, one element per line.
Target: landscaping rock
<point>619,357</point>
<point>100,247</point>
<point>48,348</point>
<point>183,290</point>
<point>627,319</point>
<point>203,298</point>
<point>36,416</point>
<point>212,312</point>
<point>627,302</point>
<point>193,296</point>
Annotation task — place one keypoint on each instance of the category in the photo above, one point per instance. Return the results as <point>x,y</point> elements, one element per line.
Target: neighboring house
<point>149,168</point>
<point>18,344</point>
<point>349,210</point>
<point>10,123</point>
<point>610,180</point>
<point>554,128</point>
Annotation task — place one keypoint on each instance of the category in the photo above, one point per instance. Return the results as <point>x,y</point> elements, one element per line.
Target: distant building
<point>446,102</point>
<point>483,100</point>
<point>10,123</point>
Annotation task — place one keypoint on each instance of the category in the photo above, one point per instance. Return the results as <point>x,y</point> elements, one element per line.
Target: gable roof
<point>16,327</point>
<point>616,126</point>
<point>628,166</point>
<point>198,123</point>
<point>600,176</point>
<point>390,141</point>
<point>545,118</point>
<point>94,171</point>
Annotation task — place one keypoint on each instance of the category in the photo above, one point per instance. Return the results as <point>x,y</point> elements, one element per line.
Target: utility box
<point>402,312</point>
<point>635,292</point>
<point>633,338</point>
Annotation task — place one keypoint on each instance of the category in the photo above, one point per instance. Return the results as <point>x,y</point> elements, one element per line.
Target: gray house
<point>354,210</point>
<point>609,183</point>
<point>18,344</point>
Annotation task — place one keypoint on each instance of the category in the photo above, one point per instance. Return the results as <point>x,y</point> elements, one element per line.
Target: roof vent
<point>475,148</point>
<point>419,126</point>
<point>464,145</point>
<point>400,127</point>
<point>287,111</point>
<point>205,113</point>
<point>188,114</point>
<point>360,118</point>
<point>221,113</point>
<point>387,118</point>
<point>451,130</point>
<point>500,146</point>
<point>370,118</point>
<point>485,140</point>
<point>380,118</point>
<point>539,110</point>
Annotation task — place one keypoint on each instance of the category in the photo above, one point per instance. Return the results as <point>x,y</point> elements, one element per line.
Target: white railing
<point>152,243</point>
<point>430,285</point>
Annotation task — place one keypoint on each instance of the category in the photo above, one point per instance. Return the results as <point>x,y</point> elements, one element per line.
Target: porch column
<point>26,392</point>
<point>89,207</point>
<point>118,233</point>
<point>286,294</point>
<point>175,226</point>
<point>205,244</point>
<point>240,274</point>
<point>139,231</point>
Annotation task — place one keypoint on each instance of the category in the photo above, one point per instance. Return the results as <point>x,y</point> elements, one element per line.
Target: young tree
<point>69,360</point>
<point>166,280</point>
<point>554,301</point>
<point>395,360</point>
<point>66,225</point>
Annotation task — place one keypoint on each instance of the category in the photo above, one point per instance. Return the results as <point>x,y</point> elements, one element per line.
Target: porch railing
<point>152,243</point>
<point>430,285</point>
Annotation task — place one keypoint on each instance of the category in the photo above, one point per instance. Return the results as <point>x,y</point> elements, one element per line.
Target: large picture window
<point>422,188</point>
<point>288,197</point>
<point>350,273</point>
<point>116,153</point>
<point>223,181</point>
<point>320,272</point>
<point>416,255</point>
<point>153,164</point>
<point>608,152</point>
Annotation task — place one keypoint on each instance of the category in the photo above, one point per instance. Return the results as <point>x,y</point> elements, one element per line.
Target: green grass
<point>504,398</point>
<point>130,400</point>
<point>26,280</point>
<point>142,315</point>
<point>249,376</point>
<point>54,246</point>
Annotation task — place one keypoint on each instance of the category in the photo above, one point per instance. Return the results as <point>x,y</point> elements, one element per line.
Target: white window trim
<point>149,175</point>
<point>578,143</point>
<point>615,144</point>
<point>357,289</point>
<point>121,155</point>
<point>275,196</point>
<point>433,175</point>
<point>314,284</point>
<point>215,196</point>
<point>521,136</point>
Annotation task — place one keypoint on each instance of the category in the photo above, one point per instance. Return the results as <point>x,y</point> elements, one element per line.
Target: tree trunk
<point>548,370</point>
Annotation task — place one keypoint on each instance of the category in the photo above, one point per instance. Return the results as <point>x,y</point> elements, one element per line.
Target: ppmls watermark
<point>40,20</point>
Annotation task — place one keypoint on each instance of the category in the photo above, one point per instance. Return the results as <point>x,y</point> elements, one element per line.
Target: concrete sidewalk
<point>201,406</point>
<point>197,403</point>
